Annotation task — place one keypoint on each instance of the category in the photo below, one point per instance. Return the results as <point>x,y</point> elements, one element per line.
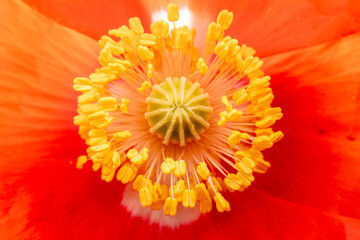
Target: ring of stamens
<point>178,110</point>
<point>130,83</point>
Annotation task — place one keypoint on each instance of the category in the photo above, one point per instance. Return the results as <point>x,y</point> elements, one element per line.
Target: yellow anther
<point>96,166</point>
<point>82,84</point>
<point>84,131</point>
<point>124,105</point>
<point>241,97</point>
<point>266,122</point>
<point>118,67</point>
<point>221,204</point>
<point>89,97</point>
<point>97,115</point>
<point>168,166</point>
<point>81,119</point>
<point>165,168</point>
<point>276,136</point>
<point>123,32</point>
<point>243,154</point>
<point>88,108</point>
<point>138,160</point>
<point>123,172</point>
<point>203,170</point>
<point>156,205</point>
<point>223,118</point>
<point>121,136</point>
<point>222,122</point>
<point>228,105</point>
<point>275,113</point>
<point>214,32</point>
<point>201,66</point>
<point>217,183</point>
<point>253,65</point>
<point>145,85</point>
<point>145,53</point>
<point>223,114</point>
<point>272,111</point>
<point>189,198</point>
<point>97,132</point>
<point>179,188</point>
<point>232,43</point>
<point>105,171</point>
<point>94,141</point>
<point>205,205</point>
<point>130,175</point>
<point>266,100</point>
<point>138,182</point>
<point>225,18</point>
<point>160,29</point>
<point>170,206</point>
<point>180,168</point>
<point>243,167</point>
<point>108,103</point>
<point>246,51</point>
<point>132,153</point>
<point>181,40</point>
<point>101,148</point>
<point>101,78</point>
<point>112,158</point>
<point>81,161</point>
<point>97,157</point>
<point>221,50</point>
<point>109,177</point>
<point>249,162</point>
<point>266,132</point>
<point>264,81</point>
<point>147,39</point>
<point>162,190</point>
<point>100,119</point>
<point>262,142</point>
<point>201,191</point>
<point>233,181</point>
<point>150,70</point>
<point>172,12</point>
<point>135,25</point>
<point>236,137</point>
<point>144,153</point>
<point>234,115</point>
<point>146,198</point>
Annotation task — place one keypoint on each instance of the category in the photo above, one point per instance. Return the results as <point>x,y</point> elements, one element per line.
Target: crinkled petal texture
<point>91,17</point>
<point>311,191</point>
<point>319,91</point>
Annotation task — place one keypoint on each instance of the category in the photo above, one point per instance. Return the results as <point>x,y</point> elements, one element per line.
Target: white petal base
<point>184,216</point>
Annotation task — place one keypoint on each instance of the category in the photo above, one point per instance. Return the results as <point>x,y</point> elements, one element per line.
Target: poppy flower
<point>310,50</point>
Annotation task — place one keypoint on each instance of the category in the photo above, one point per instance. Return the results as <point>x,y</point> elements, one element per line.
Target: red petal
<point>39,60</point>
<point>76,205</point>
<point>317,162</point>
<point>91,17</point>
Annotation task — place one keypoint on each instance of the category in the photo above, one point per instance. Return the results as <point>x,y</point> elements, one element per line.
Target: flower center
<point>178,110</point>
<point>203,131</point>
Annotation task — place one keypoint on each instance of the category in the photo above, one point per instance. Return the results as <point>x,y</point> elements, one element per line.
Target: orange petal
<point>92,17</point>
<point>318,90</point>
<point>274,26</point>
<point>39,59</point>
